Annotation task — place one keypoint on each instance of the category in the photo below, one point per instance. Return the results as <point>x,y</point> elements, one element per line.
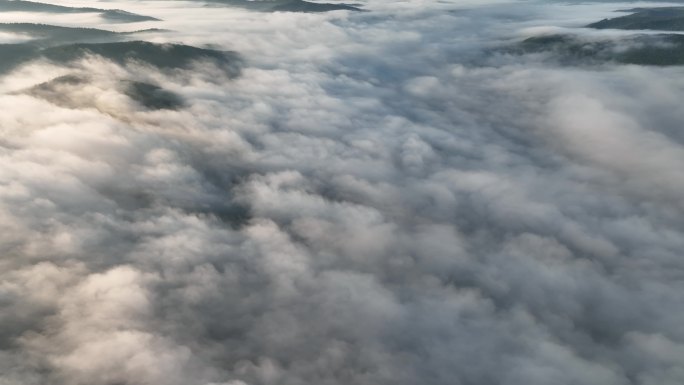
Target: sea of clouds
<point>380,197</point>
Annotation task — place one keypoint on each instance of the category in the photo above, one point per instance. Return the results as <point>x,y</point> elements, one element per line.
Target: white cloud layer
<point>378,198</point>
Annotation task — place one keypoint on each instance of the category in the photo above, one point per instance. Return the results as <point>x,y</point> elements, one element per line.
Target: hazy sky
<point>383,197</point>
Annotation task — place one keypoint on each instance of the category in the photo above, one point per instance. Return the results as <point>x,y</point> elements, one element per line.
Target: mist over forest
<point>371,192</point>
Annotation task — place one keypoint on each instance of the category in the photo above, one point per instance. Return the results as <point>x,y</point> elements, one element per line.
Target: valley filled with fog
<point>233,192</point>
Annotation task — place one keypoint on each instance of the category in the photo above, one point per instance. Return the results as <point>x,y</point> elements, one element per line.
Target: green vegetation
<point>110,14</point>
<point>163,56</point>
<point>147,95</point>
<point>286,5</point>
<point>50,34</point>
<point>664,19</point>
<point>152,96</point>
<point>657,50</point>
<point>12,55</point>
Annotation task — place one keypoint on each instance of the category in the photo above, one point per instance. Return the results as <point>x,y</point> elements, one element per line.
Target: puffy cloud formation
<point>379,197</point>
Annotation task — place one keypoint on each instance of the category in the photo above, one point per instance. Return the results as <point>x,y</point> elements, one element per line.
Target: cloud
<point>374,197</point>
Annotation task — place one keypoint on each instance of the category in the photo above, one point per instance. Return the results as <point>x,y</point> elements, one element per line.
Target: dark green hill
<point>110,14</point>
<point>304,6</point>
<point>152,96</point>
<point>163,56</point>
<point>13,55</point>
<point>148,95</point>
<point>664,19</point>
<point>656,50</point>
<point>286,5</point>
<point>50,34</point>
<point>45,35</point>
